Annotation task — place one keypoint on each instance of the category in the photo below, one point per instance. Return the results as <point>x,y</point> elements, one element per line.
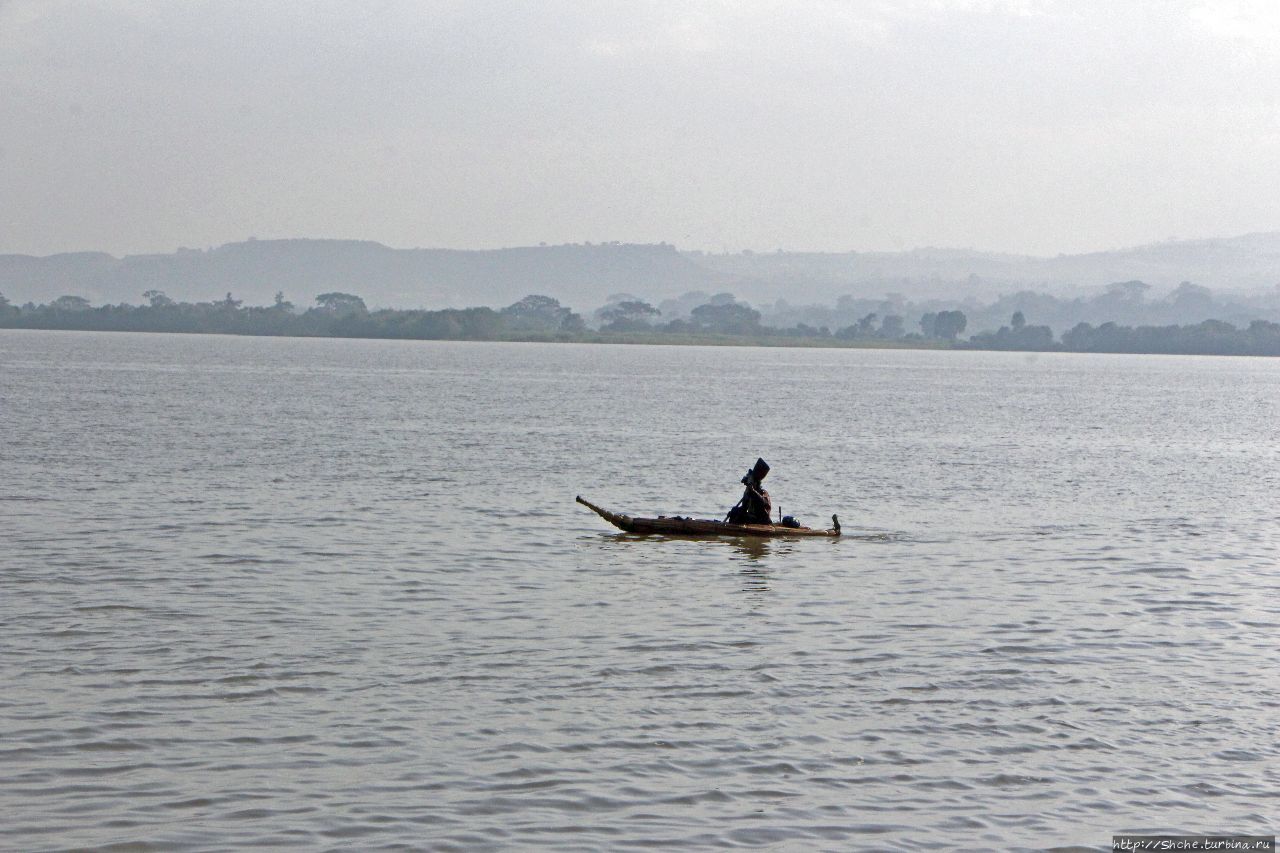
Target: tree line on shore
<point>537,317</point>
<point>1127,303</point>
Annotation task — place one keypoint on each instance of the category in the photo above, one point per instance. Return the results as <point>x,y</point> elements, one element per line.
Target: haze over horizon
<point>995,252</point>
<point>1035,128</point>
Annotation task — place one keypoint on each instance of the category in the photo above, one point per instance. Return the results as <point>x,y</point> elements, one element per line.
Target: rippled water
<point>337,594</point>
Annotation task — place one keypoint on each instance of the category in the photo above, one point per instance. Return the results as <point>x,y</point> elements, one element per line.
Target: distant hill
<point>584,276</point>
<point>1240,264</point>
<point>420,278</point>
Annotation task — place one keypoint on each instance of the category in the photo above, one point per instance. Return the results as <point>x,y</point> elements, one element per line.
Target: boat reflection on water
<point>754,554</point>
<point>754,580</point>
<point>751,548</point>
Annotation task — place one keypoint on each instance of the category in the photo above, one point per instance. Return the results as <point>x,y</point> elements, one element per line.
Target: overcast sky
<point>1037,127</point>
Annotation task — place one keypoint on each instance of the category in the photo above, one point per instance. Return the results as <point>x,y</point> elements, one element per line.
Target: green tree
<point>1016,336</point>
<point>340,304</point>
<point>536,313</point>
<point>949,324</point>
<point>892,327</point>
<point>70,303</point>
<point>1128,291</point>
<point>732,318</point>
<point>632,315</point>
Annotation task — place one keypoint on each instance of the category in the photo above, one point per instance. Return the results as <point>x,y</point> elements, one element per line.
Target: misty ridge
<point>639,288</point>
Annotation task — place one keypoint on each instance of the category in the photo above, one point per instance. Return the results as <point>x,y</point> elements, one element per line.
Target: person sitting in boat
<point>754,507</point>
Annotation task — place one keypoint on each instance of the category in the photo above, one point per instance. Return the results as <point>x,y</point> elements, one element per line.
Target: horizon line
<point>1170,241</point>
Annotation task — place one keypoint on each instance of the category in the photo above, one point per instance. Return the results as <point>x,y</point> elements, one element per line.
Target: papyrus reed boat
<point>703,526</point>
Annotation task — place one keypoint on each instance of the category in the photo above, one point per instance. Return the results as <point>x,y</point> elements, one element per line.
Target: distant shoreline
<point>624,339</point>
<point>542,319</point>
<point>633,339</point>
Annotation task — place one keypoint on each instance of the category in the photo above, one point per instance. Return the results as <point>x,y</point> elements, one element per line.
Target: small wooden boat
<point>703,526</point>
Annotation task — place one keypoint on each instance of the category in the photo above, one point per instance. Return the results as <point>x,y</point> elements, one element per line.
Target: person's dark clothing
<point>754,508</point>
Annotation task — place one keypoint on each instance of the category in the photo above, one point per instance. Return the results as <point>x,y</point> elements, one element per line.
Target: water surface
<point>337,594</point>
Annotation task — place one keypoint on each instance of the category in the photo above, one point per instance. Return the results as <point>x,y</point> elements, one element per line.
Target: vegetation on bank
<point>534,318</point>
<point>541,318</point>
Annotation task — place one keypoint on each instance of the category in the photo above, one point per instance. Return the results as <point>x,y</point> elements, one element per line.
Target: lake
<point>337,594</point>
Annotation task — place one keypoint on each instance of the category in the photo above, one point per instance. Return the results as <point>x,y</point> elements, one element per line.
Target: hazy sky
<point>1037,127</point>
